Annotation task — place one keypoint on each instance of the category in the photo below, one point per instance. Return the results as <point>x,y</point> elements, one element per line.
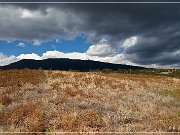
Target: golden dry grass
<point>55,101</point>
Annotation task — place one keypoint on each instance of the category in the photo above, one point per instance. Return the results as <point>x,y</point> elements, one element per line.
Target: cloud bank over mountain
<point>141,34</point>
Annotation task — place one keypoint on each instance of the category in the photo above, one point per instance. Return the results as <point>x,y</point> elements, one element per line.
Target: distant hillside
<point>66,64</point>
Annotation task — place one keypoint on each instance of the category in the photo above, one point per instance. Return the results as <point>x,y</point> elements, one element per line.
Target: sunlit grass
<point>47,101</point>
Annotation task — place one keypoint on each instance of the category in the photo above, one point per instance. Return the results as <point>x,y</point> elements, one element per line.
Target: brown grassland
<point>59,101</point>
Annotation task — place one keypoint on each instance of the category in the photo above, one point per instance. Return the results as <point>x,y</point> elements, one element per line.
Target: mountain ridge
<point>66,64</point>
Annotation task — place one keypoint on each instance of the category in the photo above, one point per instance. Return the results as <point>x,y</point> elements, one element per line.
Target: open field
<point>55,101</point>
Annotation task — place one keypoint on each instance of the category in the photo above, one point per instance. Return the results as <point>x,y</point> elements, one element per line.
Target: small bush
<point>106,70</point>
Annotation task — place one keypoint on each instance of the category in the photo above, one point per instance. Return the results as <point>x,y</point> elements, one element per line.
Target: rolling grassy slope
<point>55,101</point>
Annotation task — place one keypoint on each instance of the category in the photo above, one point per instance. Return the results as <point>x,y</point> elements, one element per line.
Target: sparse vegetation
<point>153,72</point>
<point>108,101</point>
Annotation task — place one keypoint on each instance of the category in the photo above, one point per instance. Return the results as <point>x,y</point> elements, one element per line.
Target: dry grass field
<point>58,101</point>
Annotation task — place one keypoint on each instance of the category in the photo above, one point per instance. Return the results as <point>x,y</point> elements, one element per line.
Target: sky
<point>143,34</point>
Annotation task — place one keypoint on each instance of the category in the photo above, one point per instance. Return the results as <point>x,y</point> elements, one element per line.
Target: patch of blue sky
<point>78,44</point>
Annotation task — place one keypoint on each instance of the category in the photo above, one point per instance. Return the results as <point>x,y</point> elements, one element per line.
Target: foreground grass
<point>55,101</point>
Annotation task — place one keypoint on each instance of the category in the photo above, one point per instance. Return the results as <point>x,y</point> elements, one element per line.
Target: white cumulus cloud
<point>29,56</point>
<point>100,50</point>
<point>129,42</point>
<point>5,60</point>
<point>58,54</point>
<point>25,13</point>
<point>37,42</point>
<point>21,44</point>
<point>118,58</point>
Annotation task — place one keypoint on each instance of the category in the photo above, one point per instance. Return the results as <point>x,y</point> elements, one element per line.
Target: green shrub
<point>106,70</point>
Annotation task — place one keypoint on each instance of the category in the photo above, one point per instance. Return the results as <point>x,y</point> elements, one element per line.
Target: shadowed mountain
<point>66,64</point>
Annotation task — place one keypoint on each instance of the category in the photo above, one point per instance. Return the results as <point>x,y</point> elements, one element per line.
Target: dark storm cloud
<point>155,25</point>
